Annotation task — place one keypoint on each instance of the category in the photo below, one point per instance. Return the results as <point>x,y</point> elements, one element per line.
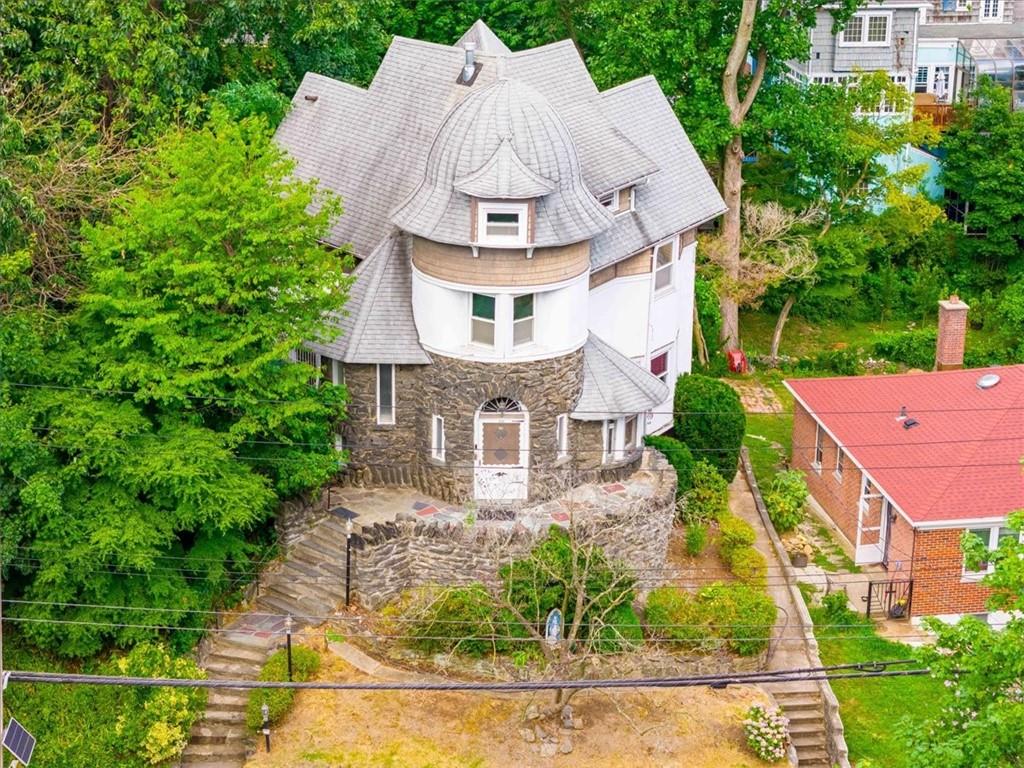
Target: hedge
<point>622,630</point>
<point>305,663</point>
<point>708,499</point>
<point>739,617</point>
<point>678,455</point>
<point>749,566</point>
<point>735,533</point>
<point>710,420</point>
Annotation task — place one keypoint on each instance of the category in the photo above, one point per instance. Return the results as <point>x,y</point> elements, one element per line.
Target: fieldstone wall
<point>399,454</point>
<point>631,520</point>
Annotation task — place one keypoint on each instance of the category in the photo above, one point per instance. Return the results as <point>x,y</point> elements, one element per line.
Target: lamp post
<point>348,561</point>
<point>288,638</point>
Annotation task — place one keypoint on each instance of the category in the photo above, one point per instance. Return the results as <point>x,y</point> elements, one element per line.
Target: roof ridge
<point>630,84</point>
<point>908,375</point>
<point>317,76</point>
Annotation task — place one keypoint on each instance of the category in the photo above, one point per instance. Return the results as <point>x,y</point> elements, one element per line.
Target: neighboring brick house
<point>524,297</point>
<point>904,464</point>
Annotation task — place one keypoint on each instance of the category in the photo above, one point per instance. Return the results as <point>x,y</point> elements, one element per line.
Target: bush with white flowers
<point>767,732</point>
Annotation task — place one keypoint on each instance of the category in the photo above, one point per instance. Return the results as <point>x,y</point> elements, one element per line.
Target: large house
<point>523,299</point>
<point>904,464</point>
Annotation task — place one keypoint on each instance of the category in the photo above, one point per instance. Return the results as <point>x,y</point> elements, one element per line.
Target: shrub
<point>305,663</point>
<point>621,631</point>
<point>674,615</point>
<point>743,615</point>
<point>913,348</point>
<point>844,362</point>
<point>739,616</point>
<point>708,499</point>
<point>735,533</point>
<point>696,538</point>
<point>767,732</point>
<point>785,500</point>
<point>678,456</point>
<point>836,607</point>
<point>464,619</point>
<point>710,420</point>
<point>749,566</point>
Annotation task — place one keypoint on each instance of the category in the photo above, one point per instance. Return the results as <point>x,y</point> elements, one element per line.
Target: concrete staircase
<point>802,704</point>
<point>307,585</point>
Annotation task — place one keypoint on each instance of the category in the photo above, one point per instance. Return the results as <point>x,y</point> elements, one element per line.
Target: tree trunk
<point>779,324</point>
<point>732,185</point>
<point>698,338</point>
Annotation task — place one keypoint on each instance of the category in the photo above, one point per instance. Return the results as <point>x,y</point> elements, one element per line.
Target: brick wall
<point>939,587</point>
<point>837,497</point>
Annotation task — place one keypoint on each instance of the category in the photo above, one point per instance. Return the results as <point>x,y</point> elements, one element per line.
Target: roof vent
<point>470,68</point>
<point>310,97</point>
<point>903,413</point>
<point>910,423</point>
<point>988,381</point>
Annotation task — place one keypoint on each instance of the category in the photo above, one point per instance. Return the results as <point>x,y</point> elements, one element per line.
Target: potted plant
<point>898,609</point>
<point>800,550</point>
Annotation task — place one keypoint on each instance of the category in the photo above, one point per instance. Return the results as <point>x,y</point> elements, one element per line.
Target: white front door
<point>502,440</point>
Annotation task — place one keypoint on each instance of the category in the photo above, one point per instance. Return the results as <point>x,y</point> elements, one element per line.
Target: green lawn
<point>875,711</point>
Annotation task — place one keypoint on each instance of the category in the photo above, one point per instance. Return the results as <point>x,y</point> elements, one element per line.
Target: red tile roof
<point>961,462</point>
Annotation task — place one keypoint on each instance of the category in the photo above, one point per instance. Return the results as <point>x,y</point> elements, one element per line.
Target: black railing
<point>890,598</point>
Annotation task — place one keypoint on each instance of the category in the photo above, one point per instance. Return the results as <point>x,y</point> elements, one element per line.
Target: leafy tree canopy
<point>144,433</point>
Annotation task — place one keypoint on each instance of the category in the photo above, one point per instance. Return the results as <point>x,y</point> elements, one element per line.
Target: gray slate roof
<point>681,196</point>
<point>613,385</point>
<point>503,140</point>
<point>486,41</point>
<point>371,146</point>
<point>377,324</point>
<point>971,31</point>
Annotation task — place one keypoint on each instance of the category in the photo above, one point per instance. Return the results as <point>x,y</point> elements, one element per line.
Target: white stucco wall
<point>442,313</point>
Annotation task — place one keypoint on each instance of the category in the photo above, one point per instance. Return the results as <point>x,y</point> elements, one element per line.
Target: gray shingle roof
<point>377,324</point>
<point>679,197</point>
<point>371,146</point>
<point>486,41</point>
<point>613,385</point>
<point>506,118</point>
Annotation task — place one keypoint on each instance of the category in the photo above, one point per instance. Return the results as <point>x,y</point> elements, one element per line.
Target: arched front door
<point>502,439</point>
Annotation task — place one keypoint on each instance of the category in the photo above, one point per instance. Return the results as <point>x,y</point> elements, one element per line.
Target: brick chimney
<point>949,346</point>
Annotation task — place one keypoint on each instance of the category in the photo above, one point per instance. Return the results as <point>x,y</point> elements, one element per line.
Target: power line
<point>871,670</point>
<point>215,398</point>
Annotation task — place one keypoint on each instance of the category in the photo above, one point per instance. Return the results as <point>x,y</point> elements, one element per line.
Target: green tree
<point>147,432</point>
<point>699,51</point>
<point>983,713</point>
<point>710,420</point>
<point>984,166</point>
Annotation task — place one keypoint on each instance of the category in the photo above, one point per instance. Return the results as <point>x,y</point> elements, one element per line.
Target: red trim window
<point>659,366</point>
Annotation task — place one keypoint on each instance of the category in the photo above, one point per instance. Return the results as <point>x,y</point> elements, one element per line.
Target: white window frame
<point>993,545</point>
<point>530,320</point>
<point>493,321</point>
<point>380,418</point>
<point>629,447</point>
<point>562,435</point>
<point>840,462</point>
<point>667,352</point>
<point>610,431</point>
<point>819,448</point>
<point>983,4</point>
<point>673,244</point>
<point>863,42</point>
<point>610,200</point>
<point>519,240</point>
<point>437,438</point>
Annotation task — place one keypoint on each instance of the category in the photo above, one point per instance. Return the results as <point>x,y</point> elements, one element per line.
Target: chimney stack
<point>469,69</point>
<point>952,336</point>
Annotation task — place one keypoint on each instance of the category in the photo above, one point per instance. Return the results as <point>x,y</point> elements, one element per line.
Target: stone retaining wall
<point>632,525</point>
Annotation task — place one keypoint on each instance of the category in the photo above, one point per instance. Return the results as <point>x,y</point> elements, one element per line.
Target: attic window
<point>619,200</point>
<point>503,224</point>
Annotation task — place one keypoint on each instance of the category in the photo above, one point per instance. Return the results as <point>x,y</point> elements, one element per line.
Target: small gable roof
<point>961,462</point>
<point>376,325</point>
<point>613,385</point>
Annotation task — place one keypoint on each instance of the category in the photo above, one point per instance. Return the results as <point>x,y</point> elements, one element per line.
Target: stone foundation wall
<point>632,525</point>
<point>455,389</point>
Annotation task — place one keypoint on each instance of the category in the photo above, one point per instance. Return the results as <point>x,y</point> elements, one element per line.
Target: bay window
<point>522,319</point>
<point>483,319</point>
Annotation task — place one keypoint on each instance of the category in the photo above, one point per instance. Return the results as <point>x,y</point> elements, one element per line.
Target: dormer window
<point>503,224</point>
<point>619,200</point>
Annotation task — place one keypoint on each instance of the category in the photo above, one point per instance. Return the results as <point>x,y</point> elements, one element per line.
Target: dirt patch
<point>621,729</point>
<point>695,572</point>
